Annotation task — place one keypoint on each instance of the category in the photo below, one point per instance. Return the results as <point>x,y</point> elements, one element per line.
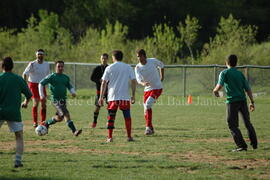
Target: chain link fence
<point>180,80</point>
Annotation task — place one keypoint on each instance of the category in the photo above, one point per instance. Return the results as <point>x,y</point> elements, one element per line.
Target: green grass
<point>191,142</point>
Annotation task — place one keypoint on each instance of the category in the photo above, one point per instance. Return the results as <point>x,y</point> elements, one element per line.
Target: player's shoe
<point>109,140</point>
<point>77,132</point>
<point>239,149</point>
<point>35,124</point>
<point>130,139</point>
<point>18,164</point>
<point>149,131</point>
<point>94,124</point>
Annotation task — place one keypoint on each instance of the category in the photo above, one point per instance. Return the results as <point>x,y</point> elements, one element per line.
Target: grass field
<point>191,142</point>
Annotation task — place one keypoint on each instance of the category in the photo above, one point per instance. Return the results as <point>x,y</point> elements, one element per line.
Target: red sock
<point>43,114</point>
<point>110,131</point>
<point>128,126</point>
<point>148,118</point>
<point>34,114</point>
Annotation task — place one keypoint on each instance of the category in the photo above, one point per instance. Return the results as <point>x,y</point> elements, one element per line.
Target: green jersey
<point>58,85</point>
<point>235,84</point>
<point>11,87</point>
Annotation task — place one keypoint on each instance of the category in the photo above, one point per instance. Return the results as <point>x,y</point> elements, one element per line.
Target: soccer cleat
<point>94,125</point>
<point>77,132</point>
<point>18,164</point>
<point>109,140</point>
<point>35,124</point>
<point>239,149</point>
<point>130,139</point>
<point>148,131</point>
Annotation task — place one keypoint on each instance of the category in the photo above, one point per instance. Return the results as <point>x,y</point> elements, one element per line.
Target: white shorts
<point>14,126</point>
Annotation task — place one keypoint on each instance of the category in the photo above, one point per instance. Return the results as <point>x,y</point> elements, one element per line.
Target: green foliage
<point>165,45</point>
<point>7,41</point>
<point>231,38</point>
<point>46,34</point>
<point>189,33</point>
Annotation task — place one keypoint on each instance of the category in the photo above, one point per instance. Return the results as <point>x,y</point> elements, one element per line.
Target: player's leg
<point>112,109</point>
<point>125,107</point>
<point>17,129</point>
<point>96,112</point>
<point>35,111</point>
<point>233,123</point>
<point>251,131</point>
<point>150,98</point>
<point>43,109</point>
<point>59,116</point>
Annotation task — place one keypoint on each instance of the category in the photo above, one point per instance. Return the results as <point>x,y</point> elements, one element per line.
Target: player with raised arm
<point>236,85</point>
<point>149,73</point>
<point>34,73</point>
<point>96,77</point>
<point>11,88</point>
<point>58,85</point>
<point>117,77</point>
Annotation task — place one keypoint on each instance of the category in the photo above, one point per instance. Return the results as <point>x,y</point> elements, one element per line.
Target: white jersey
<point>36,72</point>
<point>118,75</point>
<point>149,73</point>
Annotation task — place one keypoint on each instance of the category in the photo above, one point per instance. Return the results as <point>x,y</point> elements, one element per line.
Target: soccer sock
<point>18,157</point>
<point>71,125</point>
<point>110,125</point>
<point>148,118</point>
<point>43,114</point>
<point>127,117</point>
<point>50,122</point>
<point>34,114</point>
<point>95,117</point>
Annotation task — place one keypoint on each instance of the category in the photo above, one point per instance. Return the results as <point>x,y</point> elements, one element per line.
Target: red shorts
<point>155,93</point>
<point>122,104</point>
<point>34,89</point>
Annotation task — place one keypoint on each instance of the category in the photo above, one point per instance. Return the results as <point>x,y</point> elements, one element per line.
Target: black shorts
<point>61,108</point>
<point>97,98</point>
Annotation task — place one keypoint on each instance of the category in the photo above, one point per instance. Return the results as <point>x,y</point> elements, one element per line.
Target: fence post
<point>74,75</point>
<point>184,81</point>
<point>247,73</point>
<point>215,76</point>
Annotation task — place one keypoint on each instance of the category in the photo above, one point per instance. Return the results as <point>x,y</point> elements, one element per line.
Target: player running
<point>117,75</point>
<point>96,77</point>
<point>36,71</point>
<point>11,87</point>
<point>58,85</point>
<point>149,73</point>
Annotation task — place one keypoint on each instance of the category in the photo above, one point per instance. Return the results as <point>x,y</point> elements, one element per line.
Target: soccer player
<point>58,85</point>
<point>34,73</point>
<point>96,77</point>
<point>149,73</point>
<point>236,85</point>
<point>117,77</point>
<point>11,88</point>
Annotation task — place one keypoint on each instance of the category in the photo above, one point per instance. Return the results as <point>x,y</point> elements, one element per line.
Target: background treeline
<point>177,32</point>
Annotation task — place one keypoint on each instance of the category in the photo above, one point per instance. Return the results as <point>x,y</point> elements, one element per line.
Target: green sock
<point>71,126</point>
<point>50,122</point>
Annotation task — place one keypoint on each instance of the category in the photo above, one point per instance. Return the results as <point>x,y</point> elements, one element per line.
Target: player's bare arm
<point>25,103</point>
<point>251,105</point>
<point>216,89</point>
<point>133,88</point>
<point>102,92</point>
<point>161,72</point>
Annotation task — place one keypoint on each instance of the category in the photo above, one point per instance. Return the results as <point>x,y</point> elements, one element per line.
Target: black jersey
<point>97,75</point>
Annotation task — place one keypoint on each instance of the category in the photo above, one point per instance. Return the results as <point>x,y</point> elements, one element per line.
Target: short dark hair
<point>106,55</point>
<point>141,52</point>
<point>61,62</point>
<point>232,60</point>
<point>41,50</point>
<point>118,55</point>
<point>7,64</point>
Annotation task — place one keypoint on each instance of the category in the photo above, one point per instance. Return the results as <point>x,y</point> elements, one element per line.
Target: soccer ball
<point>41,130</point>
